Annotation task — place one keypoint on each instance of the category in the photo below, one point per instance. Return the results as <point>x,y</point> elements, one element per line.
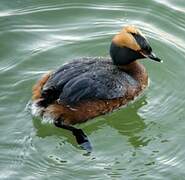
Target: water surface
<point>145,140</point>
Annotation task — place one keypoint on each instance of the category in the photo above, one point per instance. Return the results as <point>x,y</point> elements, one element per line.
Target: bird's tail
<point>37,88</point>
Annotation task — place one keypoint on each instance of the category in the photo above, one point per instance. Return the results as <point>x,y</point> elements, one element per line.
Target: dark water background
<point>142,141</point>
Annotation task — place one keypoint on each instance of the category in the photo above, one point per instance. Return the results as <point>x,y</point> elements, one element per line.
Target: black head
<point>130,45</point>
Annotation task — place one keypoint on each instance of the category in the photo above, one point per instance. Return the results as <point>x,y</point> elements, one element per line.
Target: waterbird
<point>89,87</point>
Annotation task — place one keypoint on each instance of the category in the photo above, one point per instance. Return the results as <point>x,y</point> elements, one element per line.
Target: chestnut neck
<point>126,59</point>
<point>137,71</point>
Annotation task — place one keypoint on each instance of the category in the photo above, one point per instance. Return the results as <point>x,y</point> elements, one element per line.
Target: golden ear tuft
<point>125,38</point>
<point>131,29</point>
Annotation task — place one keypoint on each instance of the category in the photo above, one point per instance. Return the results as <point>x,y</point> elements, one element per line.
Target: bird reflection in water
<point>126,121</point>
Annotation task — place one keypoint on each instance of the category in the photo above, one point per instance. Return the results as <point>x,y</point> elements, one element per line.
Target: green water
<point>142,141</point>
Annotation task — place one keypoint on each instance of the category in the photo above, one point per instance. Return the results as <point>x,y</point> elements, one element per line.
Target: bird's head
<point>129,45</point>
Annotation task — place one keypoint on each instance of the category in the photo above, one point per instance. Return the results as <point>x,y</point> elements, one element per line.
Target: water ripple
<point>144,139</point>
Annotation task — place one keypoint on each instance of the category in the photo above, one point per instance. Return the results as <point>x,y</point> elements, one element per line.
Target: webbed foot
<point>80,136</point>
